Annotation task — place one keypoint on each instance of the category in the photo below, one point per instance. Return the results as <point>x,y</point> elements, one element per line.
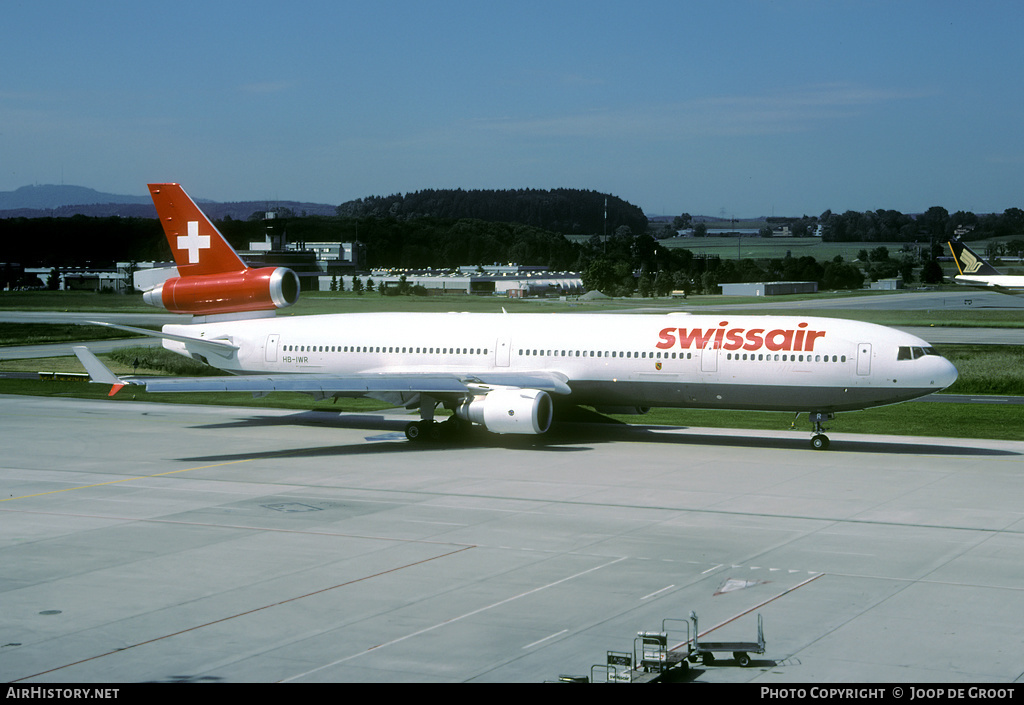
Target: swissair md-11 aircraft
<point>504,371</point>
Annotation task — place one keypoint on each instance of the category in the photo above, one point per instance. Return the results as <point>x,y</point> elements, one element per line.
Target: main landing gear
<point>426,429</point>
<point>430,430</point>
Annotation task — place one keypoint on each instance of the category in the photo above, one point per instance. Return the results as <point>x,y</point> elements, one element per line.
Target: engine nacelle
<point>527,411</point>
<point>227,292</point>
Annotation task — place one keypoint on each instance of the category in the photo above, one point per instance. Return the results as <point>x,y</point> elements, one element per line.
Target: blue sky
<point>716,108</point>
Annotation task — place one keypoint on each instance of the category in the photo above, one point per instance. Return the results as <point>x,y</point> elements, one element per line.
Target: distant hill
<point>570,211</point>
<point>48,201</point>
<point>50,196</point>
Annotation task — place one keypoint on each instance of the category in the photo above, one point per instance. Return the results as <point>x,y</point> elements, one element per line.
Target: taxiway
<point>151,542</point>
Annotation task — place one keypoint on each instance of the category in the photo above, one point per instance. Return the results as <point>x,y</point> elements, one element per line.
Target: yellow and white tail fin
<point>968,262</point>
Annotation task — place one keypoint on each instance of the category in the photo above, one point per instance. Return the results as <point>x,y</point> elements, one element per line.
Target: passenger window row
<point>785,358</point>
<point>598,353</point>
<point>385,349</point>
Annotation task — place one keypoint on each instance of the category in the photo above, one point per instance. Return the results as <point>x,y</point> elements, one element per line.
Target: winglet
<point>98,372</point>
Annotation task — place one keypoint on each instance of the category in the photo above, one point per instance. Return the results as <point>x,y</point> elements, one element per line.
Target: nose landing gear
<point>819,441</point>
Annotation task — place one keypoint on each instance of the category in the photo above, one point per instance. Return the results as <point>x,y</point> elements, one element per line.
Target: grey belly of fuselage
<point>735,396</point>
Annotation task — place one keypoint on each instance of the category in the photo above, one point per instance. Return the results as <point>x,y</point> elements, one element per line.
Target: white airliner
<point>503,371</point>
<point>976,272</point>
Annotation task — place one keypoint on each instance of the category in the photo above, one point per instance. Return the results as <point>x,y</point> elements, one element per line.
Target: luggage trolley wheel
<point>742,658</point>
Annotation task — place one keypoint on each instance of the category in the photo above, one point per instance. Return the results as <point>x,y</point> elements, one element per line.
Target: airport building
<point>512,280</point>
<point>79,278</point>
<point>769,288</point>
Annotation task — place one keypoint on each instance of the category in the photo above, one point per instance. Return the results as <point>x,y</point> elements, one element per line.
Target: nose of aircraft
<point>944,373</point>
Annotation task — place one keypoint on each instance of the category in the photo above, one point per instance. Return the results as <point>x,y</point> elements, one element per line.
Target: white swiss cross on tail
<point>193,242</point>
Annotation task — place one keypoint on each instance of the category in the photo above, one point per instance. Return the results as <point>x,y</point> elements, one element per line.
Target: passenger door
<point>864,359</point>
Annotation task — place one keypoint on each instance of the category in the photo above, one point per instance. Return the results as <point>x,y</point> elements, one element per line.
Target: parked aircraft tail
<point>213,278</point>
<point>968,262</point>
<point>198,246</point>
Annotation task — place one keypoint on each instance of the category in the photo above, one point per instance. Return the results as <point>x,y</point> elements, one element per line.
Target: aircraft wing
<point>356,385</point>
<point>322,384</point>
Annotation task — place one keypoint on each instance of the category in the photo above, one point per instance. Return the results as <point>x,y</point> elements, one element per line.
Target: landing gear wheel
<point>820,442</point>
<point>413,431</point>
<point>433,431</point>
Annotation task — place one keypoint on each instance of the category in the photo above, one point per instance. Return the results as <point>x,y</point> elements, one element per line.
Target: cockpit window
<point>907,352</point>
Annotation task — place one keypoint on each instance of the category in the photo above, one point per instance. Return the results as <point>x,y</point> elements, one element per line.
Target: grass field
<point>319,302</point>
<point>759,248</point>
<point>775,248</point>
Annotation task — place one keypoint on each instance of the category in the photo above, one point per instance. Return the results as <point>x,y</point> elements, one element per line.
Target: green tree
<point>624,281</point>
<point>931,272</point>
<point>1014,220</point>
<point>646,285</point>
<point>681,222</point>
<point>663,284</point>
<point>842,275</point>
<point>933,222</point>
<point>709,283</point>
<point>599,276</point>
<point>906,268</point>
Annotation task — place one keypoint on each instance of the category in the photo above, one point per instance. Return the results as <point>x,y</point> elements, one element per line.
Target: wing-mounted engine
<point>240,291</point>
<point>526,411</point>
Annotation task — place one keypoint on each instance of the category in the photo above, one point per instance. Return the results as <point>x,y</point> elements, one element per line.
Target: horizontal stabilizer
<point>216,347</point>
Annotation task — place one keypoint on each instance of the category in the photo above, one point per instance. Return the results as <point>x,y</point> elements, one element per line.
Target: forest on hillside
<point>422,230</point>
<point>567,211</point>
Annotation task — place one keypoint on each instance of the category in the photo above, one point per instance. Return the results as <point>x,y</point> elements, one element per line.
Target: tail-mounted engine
<point>227,292</point>
<point>527,411</point>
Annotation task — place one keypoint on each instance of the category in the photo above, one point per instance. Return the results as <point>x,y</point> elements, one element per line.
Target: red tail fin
<point>198,246</point>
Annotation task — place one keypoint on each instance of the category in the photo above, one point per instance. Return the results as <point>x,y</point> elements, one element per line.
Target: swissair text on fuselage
<point>791,340</point>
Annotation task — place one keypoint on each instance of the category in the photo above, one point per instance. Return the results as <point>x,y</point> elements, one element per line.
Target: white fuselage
<point>782,363</point>
<point>1008,283</point>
